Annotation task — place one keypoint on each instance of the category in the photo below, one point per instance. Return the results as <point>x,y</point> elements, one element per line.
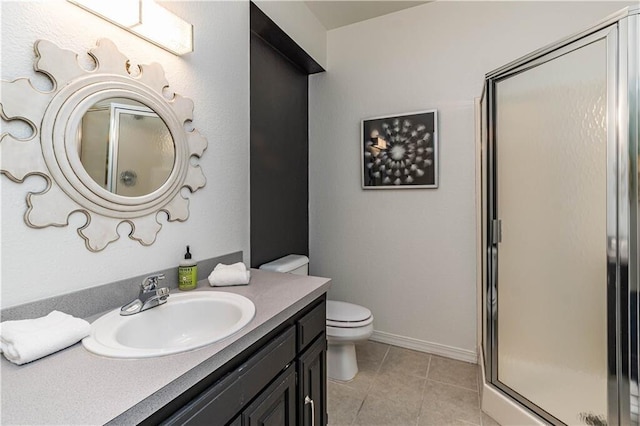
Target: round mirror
<point>110,144</point>
<point>125,147</point>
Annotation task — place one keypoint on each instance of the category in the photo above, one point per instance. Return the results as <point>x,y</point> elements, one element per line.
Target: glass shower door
<point>552,159</point>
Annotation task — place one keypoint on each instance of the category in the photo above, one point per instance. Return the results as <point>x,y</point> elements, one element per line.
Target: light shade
<point>147,20</point>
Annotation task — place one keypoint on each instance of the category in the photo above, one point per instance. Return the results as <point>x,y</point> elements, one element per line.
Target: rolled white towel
<point>24,341</point>
<point>235,274</point>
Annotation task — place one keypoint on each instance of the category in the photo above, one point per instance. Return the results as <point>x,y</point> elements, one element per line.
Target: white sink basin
<point>187,321</point>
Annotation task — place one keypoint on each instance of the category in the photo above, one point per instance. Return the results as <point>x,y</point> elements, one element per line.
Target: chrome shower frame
<point>622,34</point>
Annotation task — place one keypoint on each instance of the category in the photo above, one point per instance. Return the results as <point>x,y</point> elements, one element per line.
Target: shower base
<point>573,396</point>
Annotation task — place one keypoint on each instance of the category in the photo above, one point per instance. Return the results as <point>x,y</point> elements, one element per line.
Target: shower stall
<point>559,168</point>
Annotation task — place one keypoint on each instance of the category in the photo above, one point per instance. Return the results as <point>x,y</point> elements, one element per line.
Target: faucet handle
<point>162,292</point>
<point>151,282</point>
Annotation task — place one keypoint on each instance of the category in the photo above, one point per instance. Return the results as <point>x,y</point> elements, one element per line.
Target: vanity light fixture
<point>146,19</point>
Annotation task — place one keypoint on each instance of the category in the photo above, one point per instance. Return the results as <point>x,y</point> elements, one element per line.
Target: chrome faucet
<point>150,296</point>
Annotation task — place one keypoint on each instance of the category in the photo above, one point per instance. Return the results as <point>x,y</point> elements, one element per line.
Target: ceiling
<point>334,14</point>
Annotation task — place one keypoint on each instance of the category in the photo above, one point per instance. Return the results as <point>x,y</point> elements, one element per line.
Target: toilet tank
<point>293,264</point>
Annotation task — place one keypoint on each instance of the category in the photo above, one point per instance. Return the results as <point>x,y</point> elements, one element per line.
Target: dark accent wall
<point>279,145</point>
<point>267,30</point>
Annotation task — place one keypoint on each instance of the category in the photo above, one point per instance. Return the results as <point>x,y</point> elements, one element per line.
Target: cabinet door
<point>222,402</point>
<point>312,395</point>
<point>276,405</point>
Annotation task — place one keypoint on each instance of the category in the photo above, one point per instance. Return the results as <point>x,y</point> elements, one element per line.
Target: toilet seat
<point>347,315</point>
<point>349,324</point>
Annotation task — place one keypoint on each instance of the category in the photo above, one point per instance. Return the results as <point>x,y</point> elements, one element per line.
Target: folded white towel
<point>223,275</point>
<point>27,340</point>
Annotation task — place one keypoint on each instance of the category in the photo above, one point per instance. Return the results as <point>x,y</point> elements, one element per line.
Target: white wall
<point>409,255</point>
<point>38,263</point>
<point>297,20</point>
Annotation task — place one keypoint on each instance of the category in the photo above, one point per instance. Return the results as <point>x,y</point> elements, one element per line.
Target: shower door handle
<point>496,231</point>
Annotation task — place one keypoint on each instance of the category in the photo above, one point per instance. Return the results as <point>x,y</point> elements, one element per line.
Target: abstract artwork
<point>400,151</point>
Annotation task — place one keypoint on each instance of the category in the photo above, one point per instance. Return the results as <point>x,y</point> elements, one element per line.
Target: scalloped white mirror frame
<point>52,150</point>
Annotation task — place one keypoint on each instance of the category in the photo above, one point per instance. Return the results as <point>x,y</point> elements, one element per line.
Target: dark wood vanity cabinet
<point>312,385</point>
<point>280,381</point>
<point>312,367</point>
<point>276,405</point>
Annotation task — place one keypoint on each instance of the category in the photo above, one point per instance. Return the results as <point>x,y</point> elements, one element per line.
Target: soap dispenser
<point>187,273</point>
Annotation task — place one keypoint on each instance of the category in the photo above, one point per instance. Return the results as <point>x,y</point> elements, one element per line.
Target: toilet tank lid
<point>286,264</point>
<point>346,312</point>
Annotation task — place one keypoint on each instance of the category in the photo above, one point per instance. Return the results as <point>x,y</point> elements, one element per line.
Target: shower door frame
<point>621,32</point>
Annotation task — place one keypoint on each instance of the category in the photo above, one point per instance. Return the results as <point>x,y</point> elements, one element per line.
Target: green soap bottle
<point>187,273</point>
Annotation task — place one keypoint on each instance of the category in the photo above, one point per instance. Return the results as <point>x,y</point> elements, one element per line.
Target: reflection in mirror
<point>125,147</point>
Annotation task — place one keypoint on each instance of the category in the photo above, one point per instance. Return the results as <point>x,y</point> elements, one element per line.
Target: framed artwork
<point>400,151</point>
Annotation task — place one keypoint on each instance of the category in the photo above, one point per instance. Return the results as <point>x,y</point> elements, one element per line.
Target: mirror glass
<point>125,147</point>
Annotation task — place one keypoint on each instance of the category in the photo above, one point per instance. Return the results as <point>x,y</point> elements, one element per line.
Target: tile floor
<point>398,387</point>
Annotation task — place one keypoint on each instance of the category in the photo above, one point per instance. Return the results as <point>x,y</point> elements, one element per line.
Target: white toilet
<point>346,323</point>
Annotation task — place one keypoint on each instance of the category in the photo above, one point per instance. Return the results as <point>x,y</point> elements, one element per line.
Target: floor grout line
<point>366,392</point>
<point>358,412</point>
<point>386,353</point>
<point>454,385</point>
<point>424,389</point>
<point>429,366</point>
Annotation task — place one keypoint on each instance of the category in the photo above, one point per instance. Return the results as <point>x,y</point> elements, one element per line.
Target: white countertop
<point>74,386</point>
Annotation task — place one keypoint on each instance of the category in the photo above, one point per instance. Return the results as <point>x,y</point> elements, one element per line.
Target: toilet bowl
<point>347,323</point>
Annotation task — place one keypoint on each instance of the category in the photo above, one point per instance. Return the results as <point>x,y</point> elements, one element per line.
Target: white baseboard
<point>423,346</point>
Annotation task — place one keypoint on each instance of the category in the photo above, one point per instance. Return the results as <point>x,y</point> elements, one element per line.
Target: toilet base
<point>341,361</point>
